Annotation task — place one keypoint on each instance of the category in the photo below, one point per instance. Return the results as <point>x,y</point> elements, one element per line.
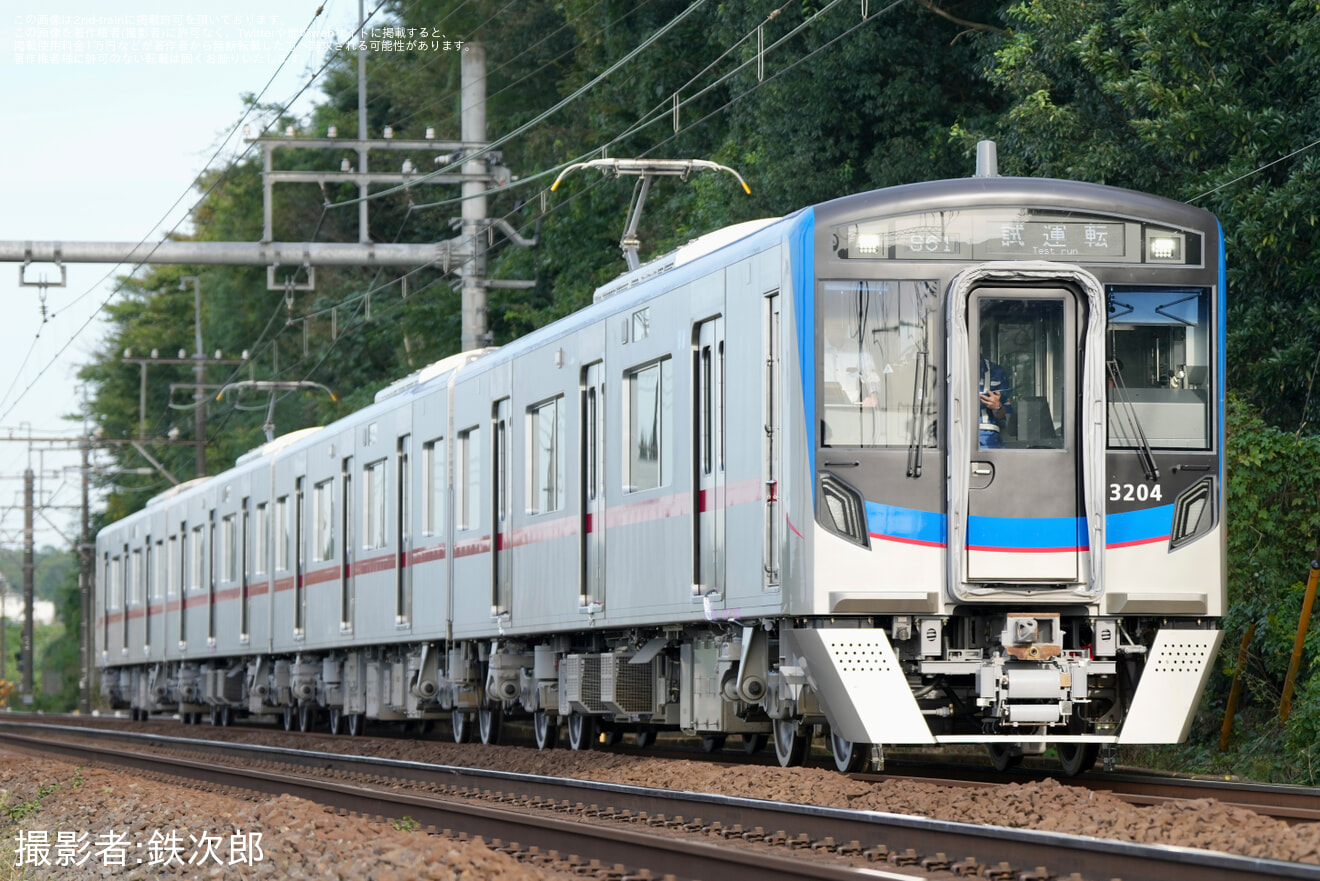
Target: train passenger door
<point>708,459</point>
<point>347,549</point>
<point>591,596</point>
<point>501,558</point>
<point>1025,523</point>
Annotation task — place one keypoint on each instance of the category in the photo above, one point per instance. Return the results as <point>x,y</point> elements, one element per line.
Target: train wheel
<point>288,718</point>
<point>336,720</point>
<point>754,743</point>
<point>1077,758</point>
<point>645,737</point>
<point>545,729</point>
<point>791,743</point>
<point>357,723</point>
<point>712,743</point>
<point>1004,756</point>
<point>581,731</point>
<point>489,721</point>
<point>215,716</point>
<point>462,727</point>
<point>609,736</point>
<point>849,757</point>
<point>307,714</point>
<point>226,716</point>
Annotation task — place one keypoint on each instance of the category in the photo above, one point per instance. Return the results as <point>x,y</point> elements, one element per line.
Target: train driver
<point>849,368</point>
<point>995,406</point>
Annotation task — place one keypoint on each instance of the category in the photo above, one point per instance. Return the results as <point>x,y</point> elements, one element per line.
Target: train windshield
<point>1158,372</point>
<point>878,363</point>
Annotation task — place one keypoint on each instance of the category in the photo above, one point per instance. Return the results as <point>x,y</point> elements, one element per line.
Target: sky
<point>114,107</point>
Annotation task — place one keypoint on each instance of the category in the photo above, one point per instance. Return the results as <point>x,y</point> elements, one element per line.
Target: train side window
<point>545,472</point>
<point>650,426</point>
<point>373,508</point>
<point>467,477</point>
<point>433,482</point>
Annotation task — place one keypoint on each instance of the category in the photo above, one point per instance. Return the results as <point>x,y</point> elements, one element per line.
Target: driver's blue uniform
<point>993,379</point>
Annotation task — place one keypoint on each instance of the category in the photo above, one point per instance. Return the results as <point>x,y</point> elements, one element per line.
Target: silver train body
<point>751,490</point>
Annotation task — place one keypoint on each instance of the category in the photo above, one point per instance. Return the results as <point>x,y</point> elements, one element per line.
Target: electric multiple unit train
<point>759,487</point>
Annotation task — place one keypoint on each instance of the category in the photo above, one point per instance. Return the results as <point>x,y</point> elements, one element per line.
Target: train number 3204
<point>1134,492</point>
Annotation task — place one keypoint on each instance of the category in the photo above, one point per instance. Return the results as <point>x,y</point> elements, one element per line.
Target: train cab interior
<point>1158,354</point>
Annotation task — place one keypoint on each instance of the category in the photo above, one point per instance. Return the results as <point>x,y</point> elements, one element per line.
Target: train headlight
<point>841,510</point>
<point>1193,512</point>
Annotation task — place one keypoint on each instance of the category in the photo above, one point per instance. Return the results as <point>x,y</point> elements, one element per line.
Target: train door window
<point>261,539</point>
<point>545,472</point>
<point>877,369</point>
<point>1158,367</point>
<point>467,492</point>
<point>373,506</point>
<point>282,540</point>
<point>116,590</point>
<point>323,521</point>
<point>433,483</point>
<point>650,426</point>
<point>228,548</point>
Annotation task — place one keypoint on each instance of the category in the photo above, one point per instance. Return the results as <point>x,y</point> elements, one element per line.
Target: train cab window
<point>878,369</point>
<point>373,507</point>
<point>1158,367</point>
<point>650,426</point>
<point>323,521</point>
<point>545,427</point>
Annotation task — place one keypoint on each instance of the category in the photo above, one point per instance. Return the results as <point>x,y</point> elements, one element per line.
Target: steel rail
<point>1023,849</point>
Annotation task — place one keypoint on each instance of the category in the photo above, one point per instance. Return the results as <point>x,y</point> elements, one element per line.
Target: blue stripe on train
<point>908,525</point>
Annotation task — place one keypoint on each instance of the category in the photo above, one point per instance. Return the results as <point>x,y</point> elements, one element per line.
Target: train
<point>940,463</point>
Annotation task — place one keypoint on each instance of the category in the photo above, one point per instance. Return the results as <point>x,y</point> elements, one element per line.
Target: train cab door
<point>708,500</point>
<point>1025,518</point>
<point>591,596</point>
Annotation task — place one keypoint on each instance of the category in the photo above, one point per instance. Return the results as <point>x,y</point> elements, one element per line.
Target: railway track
<point>688,835</point>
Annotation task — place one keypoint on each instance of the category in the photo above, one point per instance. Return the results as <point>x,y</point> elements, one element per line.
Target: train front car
<point>1015,393</point>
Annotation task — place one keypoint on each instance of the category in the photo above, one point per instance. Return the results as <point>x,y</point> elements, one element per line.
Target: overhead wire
<point>119,286</point>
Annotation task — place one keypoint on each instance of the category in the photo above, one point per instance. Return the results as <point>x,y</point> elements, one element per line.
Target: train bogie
<point>937,464</point>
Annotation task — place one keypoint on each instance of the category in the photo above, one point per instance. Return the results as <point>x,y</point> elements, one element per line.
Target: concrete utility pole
<point>473,272</point>
<point>85,584</point>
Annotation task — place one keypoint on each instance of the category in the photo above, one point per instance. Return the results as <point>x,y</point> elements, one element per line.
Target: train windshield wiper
<point>1125,414</point>
<point>918,416</point>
